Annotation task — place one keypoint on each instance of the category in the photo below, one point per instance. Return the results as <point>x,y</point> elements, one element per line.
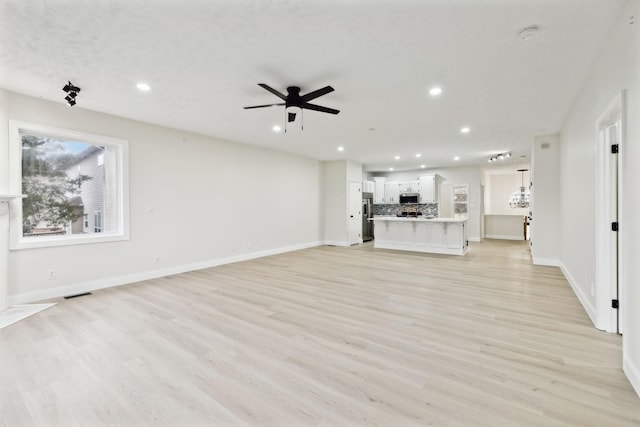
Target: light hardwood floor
<point>324,336</point>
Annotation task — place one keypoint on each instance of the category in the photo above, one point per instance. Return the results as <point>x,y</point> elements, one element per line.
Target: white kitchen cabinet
<point>435,235</point>
<point>368,186</point>
<point>392,192</point>
<point>378,193</point>
<point>401,233</point>
<point>440,236</point>
<point>454,235</point>
<point>409,186</point>
<point>428,189</point>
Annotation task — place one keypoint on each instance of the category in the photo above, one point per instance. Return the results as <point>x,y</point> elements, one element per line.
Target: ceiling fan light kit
<point>295,103</point>
<point>71,91</point>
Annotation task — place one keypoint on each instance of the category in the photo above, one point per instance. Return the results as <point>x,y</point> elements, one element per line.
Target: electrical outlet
<point>51,274</point>
<point>156,259</point>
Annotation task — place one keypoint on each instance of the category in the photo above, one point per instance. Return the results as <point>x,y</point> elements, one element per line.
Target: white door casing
<point>354,219</point>
<point>607,286</point>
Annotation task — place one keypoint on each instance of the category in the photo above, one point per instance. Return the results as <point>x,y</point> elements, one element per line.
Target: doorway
<point>608,287</point>
<point>355,213</point>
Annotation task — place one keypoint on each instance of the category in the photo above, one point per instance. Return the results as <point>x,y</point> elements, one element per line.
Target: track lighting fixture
<point>500,156</point>
<point>72,92</point>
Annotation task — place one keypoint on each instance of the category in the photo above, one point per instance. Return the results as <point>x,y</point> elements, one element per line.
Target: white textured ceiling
<point>204,58</point>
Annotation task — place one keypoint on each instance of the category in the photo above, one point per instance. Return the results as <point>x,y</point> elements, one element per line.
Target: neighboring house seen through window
<point>97,221</point>
<point>70,179</point>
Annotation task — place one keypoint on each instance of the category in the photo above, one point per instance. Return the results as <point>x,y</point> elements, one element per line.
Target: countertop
<point>414,219</point>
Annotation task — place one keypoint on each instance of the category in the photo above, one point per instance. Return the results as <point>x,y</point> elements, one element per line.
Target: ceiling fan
<point>294,99</point>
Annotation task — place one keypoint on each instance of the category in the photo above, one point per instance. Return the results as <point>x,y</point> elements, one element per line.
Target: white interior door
<point>612,139</point>
<point>355,213</point>
<point>607,284</point>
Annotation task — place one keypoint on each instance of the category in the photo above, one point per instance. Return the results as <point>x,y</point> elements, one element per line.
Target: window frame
<point>17,240</point>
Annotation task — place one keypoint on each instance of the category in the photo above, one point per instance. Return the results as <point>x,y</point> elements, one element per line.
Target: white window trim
<point>17,241</point>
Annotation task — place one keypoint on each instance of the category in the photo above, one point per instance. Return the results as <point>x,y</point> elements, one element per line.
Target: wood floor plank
<point>323,336</point>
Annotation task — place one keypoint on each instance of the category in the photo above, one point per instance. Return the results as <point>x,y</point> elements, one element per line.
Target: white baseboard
<point>335,243</point>
<point>94,285</point>
<point>632,372</point>
<point>584,300</point>
<point>503,237</point>
<point>430,250</point>
<point>545,261</point>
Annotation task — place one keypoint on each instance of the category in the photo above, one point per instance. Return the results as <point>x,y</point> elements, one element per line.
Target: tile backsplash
<point>427,209</point>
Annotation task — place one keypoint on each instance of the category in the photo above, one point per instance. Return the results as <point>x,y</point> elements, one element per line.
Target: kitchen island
<point>436,235</point>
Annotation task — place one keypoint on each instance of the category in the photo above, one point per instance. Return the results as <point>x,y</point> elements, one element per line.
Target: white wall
<point>471,175</point>
<point>498,189</point>
<point>617,68</point>
<point>4,137</point>
<point>630,238</point>
<point>546,201</point>
<point>505,227</point>
<point>195,201</point>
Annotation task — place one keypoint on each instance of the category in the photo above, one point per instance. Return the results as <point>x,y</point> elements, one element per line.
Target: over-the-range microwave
<point>409,198</point>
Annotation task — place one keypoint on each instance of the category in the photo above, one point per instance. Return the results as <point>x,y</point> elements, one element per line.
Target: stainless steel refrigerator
<point>367,212</point>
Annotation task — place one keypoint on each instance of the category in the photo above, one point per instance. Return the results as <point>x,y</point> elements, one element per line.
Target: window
<point>97,222</point>
<point>460,201</point>
<point>69,178</point>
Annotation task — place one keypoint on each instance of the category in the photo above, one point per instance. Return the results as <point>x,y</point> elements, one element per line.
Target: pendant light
<point>522,197</point>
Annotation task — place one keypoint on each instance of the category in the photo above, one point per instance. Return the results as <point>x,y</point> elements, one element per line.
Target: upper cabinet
<point>378,193</point>
<point>388,192</point>
<point>392,192</point>
<point>409,186</point>
<point>428,189</point>
<point>368,186</point>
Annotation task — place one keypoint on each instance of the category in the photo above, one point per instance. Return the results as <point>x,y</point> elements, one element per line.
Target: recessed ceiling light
<point>465,129</point>
<point>418,155</point>
<point>456,158</point>
<point>340,148</point>
<point>397,157</point>
<point>528,32</point>
<point>276,128</point>
<point>423,166</point>
<point>143,87</point>
<point>435,91</point>
<point>390,169</point>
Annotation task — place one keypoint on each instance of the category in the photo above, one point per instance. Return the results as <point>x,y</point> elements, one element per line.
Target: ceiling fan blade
<point>273,91</point>
<point>291,117</point>
<point>316,93</point>
<point>319,108</point>
<point>262,106</point>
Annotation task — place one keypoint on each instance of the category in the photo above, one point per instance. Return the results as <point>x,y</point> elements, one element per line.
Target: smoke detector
<point>528,32</point>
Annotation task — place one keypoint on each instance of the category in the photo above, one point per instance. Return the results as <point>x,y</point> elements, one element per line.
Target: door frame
<point>608,285</point>
<point>354,199</point>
